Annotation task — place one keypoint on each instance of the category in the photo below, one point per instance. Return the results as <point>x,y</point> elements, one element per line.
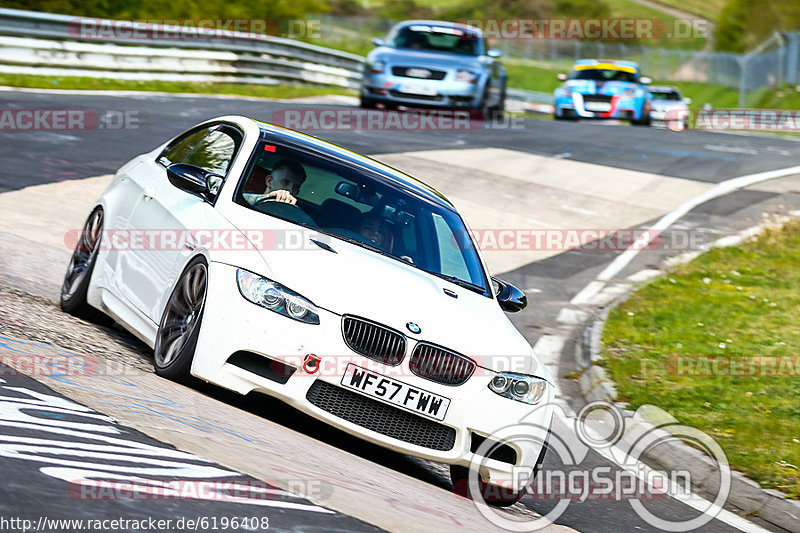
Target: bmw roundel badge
<point>413,328</point>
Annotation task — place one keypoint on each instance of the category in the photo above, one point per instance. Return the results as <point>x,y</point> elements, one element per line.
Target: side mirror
<point>510,298</point>
<point>644,80</point>
<point>562,77</point>
<point>687,101</point>
<point>194,179</point>
<point>377,41</point>
<point>493,52</point>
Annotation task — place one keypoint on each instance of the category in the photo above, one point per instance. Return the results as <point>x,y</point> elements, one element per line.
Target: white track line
<point>641,470</point>
<point>623,259</point>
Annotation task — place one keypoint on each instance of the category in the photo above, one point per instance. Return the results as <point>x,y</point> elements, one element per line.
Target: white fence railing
<point>49,44</point>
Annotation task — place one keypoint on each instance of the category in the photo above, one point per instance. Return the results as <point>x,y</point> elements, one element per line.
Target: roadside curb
<point>596,386</point>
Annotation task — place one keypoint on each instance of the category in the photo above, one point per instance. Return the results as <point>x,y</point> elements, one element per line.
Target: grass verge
<point>108,84</point>
<point>741,302</point>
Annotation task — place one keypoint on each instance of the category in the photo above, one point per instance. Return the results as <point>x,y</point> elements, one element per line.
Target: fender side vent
<point>265,367</point>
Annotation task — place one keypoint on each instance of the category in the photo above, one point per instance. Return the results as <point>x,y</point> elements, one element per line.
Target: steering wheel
<point>292,213</point>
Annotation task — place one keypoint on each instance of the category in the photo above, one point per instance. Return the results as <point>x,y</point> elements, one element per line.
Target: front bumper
<point>618,107</point>
<point>399,90</point>
<point>232,324</point>
<point>670,115</point>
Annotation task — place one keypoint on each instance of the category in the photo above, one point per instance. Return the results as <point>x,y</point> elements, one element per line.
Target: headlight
<point>566,91</point>
<point>466,75</point>
<point>376,67</point>
<point>275,297</point>
<point>526,389</point>
<point>629,93</point>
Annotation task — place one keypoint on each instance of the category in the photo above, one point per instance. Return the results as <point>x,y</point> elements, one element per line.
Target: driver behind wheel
<point>282,183</point>
<point>374,228</point>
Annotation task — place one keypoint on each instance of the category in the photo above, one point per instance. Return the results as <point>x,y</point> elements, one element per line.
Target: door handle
<point>148,194</point>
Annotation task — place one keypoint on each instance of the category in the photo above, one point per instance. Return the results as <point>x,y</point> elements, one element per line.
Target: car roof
<point>377,170</point>
<point>446,24</point>
<point>608,63</point>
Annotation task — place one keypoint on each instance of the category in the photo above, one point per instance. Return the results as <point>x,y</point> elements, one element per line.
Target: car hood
<point>426,59</point>
<point>356,281</point>
<point>599,87</point>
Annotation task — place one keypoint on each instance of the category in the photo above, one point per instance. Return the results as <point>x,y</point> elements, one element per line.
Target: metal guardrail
<point>47,44</point>
<point>40,41</point>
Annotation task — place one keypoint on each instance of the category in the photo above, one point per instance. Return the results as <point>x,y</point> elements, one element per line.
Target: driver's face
<point>372,230</point>
<point>282,179</point>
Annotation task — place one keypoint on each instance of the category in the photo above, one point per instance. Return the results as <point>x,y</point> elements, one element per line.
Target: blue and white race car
<point>603,89</point>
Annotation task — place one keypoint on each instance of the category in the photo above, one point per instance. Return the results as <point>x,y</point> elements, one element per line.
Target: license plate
<point>597,106</point>
<point>410,88</point>
<point>395,392</point>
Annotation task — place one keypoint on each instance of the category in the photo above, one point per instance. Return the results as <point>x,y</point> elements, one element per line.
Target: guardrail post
<point>742,79</point>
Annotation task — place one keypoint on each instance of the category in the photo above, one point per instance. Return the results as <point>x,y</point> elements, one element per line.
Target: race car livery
<point>603,89</point>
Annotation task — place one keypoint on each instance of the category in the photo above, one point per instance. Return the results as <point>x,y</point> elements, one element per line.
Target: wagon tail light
<point>275,297</point>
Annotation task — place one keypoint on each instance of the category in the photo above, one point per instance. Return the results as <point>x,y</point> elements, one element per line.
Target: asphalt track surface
<point>32,158</point>
<point>71,433</point>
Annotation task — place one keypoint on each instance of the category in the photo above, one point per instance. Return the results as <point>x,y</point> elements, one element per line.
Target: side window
<point>451,256</point>
<point>182,147</point>
<point>214,152</point>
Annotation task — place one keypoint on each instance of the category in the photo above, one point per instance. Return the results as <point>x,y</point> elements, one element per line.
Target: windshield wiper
<point>458,281</point>
<point>363,244</point>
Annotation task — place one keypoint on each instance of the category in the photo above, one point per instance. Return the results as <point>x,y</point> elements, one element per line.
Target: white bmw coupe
<point>261,259</point>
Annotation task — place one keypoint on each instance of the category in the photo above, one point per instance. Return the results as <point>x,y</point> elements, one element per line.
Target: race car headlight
<point>629,93</point>
<point>566,91</point>
<point>275,297</point>
<point>525,389</point>
<point>376,67</point>
<point>466,75</point>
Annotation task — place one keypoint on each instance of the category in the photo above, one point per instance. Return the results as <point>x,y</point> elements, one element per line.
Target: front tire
<point>496,113</point>
<point>176,340</point>
<point>79,272</point>
<point>366,103</point>
<point>645,118</point>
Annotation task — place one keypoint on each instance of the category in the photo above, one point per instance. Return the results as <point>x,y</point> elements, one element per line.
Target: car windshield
<point>437,39</point>
<point>665,95</point>
<point>348,203</point>
<point>598,74</point>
